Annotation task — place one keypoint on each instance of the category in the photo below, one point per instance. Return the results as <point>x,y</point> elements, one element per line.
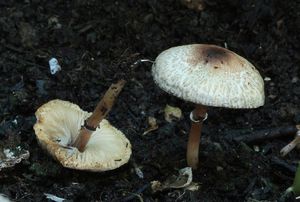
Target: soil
<point>96,43</point>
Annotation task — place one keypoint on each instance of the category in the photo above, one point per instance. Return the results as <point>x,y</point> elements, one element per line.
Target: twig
<point>262,135</point>
<point>283,165</point>
<point>289,147</point>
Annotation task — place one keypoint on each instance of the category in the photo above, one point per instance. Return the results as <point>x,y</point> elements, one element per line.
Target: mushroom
<point>207,75</point>
<point>58,126</point>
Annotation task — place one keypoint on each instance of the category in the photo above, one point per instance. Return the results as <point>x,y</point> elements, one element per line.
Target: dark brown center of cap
<point>212,54</point>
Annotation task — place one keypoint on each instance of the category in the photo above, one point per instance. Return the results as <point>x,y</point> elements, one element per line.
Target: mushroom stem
<point>100,112</point>
<point>197,118</point>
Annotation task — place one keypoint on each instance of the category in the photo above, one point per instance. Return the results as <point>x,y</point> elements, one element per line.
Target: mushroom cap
<point>209,75</point>
<point>57,127</point>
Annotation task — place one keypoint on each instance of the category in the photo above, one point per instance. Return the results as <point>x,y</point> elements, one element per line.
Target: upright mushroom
<point>207,75</point>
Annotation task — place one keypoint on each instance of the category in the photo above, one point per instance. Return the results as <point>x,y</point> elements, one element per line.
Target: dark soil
<point>95,42</point>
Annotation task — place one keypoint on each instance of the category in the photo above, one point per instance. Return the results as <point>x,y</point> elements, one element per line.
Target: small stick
<point>100,112</point>
<point>258,136</point>
<point>280,164</point>
<point>289,147</point>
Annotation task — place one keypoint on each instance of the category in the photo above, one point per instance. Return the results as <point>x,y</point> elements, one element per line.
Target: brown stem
<point>100,112</point>
<point>194,137</point>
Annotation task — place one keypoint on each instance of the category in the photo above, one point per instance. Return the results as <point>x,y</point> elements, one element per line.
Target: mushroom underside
<point>58,125</point>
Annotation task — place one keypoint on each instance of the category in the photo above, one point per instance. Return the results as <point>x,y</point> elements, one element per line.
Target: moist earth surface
<point>96,43</point>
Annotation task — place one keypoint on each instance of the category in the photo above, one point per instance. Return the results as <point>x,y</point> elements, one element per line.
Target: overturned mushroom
<point>58,126</point>
<point>207,75</point>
